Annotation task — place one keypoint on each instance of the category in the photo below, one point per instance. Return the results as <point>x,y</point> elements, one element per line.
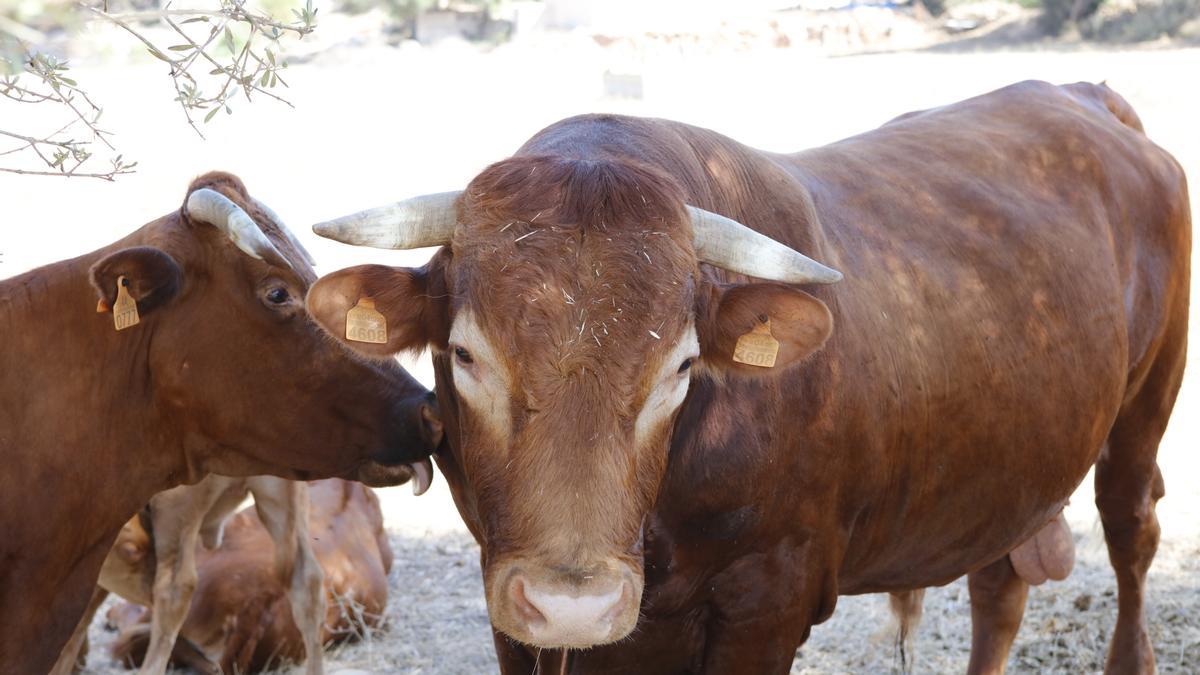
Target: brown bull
<point>241,620</point>
<point>1013,311</point>
<point>223,372</point>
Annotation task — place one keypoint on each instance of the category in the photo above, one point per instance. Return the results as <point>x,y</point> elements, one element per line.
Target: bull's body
<point>1015,297</point>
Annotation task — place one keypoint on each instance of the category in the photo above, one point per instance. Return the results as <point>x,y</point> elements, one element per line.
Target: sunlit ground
<point>375,123</point>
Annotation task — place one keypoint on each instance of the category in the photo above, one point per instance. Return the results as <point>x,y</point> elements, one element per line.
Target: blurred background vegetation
<point>224,53</point>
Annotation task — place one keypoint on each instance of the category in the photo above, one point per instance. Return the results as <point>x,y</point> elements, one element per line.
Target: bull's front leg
<point>763,607</point>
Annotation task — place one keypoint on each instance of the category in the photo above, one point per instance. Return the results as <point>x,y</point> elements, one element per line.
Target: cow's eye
<point>278,295</point>
<point>686,365</point>
<point>464,357</point>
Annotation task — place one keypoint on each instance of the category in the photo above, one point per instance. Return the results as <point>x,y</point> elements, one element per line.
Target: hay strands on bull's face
<point>429,220</point>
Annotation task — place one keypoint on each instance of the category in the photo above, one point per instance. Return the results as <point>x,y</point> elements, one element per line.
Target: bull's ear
<point>799,324</point>
<point>401,294</point>
<point>152,277</point>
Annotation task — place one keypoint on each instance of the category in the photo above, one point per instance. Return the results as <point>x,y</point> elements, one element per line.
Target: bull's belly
<point>969,520</point>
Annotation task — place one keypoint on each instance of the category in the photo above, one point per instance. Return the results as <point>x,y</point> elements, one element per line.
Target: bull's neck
<point>71,385</point>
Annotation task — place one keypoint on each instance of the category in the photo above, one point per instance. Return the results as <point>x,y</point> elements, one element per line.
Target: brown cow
<point>223,373</point>
<point>241,620</point>
<point>639,433</point>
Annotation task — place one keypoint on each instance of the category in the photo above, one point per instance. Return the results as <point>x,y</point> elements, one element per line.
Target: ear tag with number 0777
<point>758,347</point>
<point>124,308</point>
<point>364,323</point>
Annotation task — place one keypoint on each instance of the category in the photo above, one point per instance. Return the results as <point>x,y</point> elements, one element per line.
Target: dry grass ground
<point>374,123</point>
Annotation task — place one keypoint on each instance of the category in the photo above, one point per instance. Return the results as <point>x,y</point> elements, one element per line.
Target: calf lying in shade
<point>240,619</point>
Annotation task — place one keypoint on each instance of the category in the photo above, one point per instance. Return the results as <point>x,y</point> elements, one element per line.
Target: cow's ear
<point>403,295</point>
<point>151,276</point>
<point>782,321</point>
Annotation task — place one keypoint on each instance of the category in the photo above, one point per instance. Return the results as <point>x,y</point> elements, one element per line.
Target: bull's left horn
<point>730,245</point>
<point>428,220</point>
<point>286,232</point>
<point>216,209</point>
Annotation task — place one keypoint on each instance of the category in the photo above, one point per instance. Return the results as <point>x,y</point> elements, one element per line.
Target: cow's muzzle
<point>574,608</point>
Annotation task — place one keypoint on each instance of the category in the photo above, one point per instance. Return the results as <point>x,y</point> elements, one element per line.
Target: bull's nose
<point>558,617</point>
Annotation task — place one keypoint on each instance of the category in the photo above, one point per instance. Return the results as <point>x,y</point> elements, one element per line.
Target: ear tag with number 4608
<point>758,347</point>
<point>124,309</point>
<point>364,323</point>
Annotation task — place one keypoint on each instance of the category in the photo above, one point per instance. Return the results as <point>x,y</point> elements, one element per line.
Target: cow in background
<point>240,621</point>
<point>216,367</point>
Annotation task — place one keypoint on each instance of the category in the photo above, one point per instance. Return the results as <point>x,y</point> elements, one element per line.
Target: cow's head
<point>568,315</point>
<point>233,363</point>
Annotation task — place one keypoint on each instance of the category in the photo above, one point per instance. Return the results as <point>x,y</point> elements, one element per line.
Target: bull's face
<point>567,317</point>
<point>234,363</point>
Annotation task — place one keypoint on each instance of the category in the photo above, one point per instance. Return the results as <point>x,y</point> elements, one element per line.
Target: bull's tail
<point>1102,97</point>
<point>906,609</point>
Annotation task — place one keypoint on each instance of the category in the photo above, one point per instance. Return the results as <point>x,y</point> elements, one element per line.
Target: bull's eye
<point>686,365</point>
<point>277,295</point>
<point>463,356</point>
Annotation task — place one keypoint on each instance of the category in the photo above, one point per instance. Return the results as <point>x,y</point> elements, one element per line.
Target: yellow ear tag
<point>124,309</point>
<point>364,323</point>
<point>758,347</point>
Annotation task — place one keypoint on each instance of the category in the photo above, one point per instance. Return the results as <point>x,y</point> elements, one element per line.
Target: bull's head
<point>567,315</point>
<point>233,362</point>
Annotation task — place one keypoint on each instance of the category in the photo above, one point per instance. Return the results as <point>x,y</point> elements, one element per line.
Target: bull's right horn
<point>428,220</point>
<point>730,245</point>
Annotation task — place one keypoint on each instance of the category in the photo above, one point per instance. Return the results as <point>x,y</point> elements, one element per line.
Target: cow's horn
<point>427,220</point>
<point>286,232</point>
<point>730,245</point>
<point>219,211</point>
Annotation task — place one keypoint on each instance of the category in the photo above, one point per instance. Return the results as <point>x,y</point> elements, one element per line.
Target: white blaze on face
<point>483,384</point>
<point>670,386</point>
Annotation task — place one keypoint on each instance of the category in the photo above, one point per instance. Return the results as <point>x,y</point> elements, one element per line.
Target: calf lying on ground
<point>240,620</point>
<point>156,567</point>
<point>207,363</point>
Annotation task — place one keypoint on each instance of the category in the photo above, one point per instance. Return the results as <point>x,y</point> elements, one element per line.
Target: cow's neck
<point>71,378</point>
<point>76,403</point>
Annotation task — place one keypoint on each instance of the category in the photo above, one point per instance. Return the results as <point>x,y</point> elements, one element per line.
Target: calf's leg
<point>283,508</point>
<point>174,584</point>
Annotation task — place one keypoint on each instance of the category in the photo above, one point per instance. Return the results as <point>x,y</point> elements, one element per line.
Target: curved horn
<point>730,245</point>
<point>219,211</point>
<point>428,220</point>
<point>291,237</point>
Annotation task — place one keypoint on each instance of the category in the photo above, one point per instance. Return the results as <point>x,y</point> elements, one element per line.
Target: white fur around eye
<point>483,385</point>
<point>670,386</point>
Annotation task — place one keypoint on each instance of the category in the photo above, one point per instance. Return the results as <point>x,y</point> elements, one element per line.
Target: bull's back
<point>1010,262</point>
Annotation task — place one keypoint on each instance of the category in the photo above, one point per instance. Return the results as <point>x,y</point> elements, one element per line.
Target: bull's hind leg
<point>997,605</point>
<point>1128,485</point>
